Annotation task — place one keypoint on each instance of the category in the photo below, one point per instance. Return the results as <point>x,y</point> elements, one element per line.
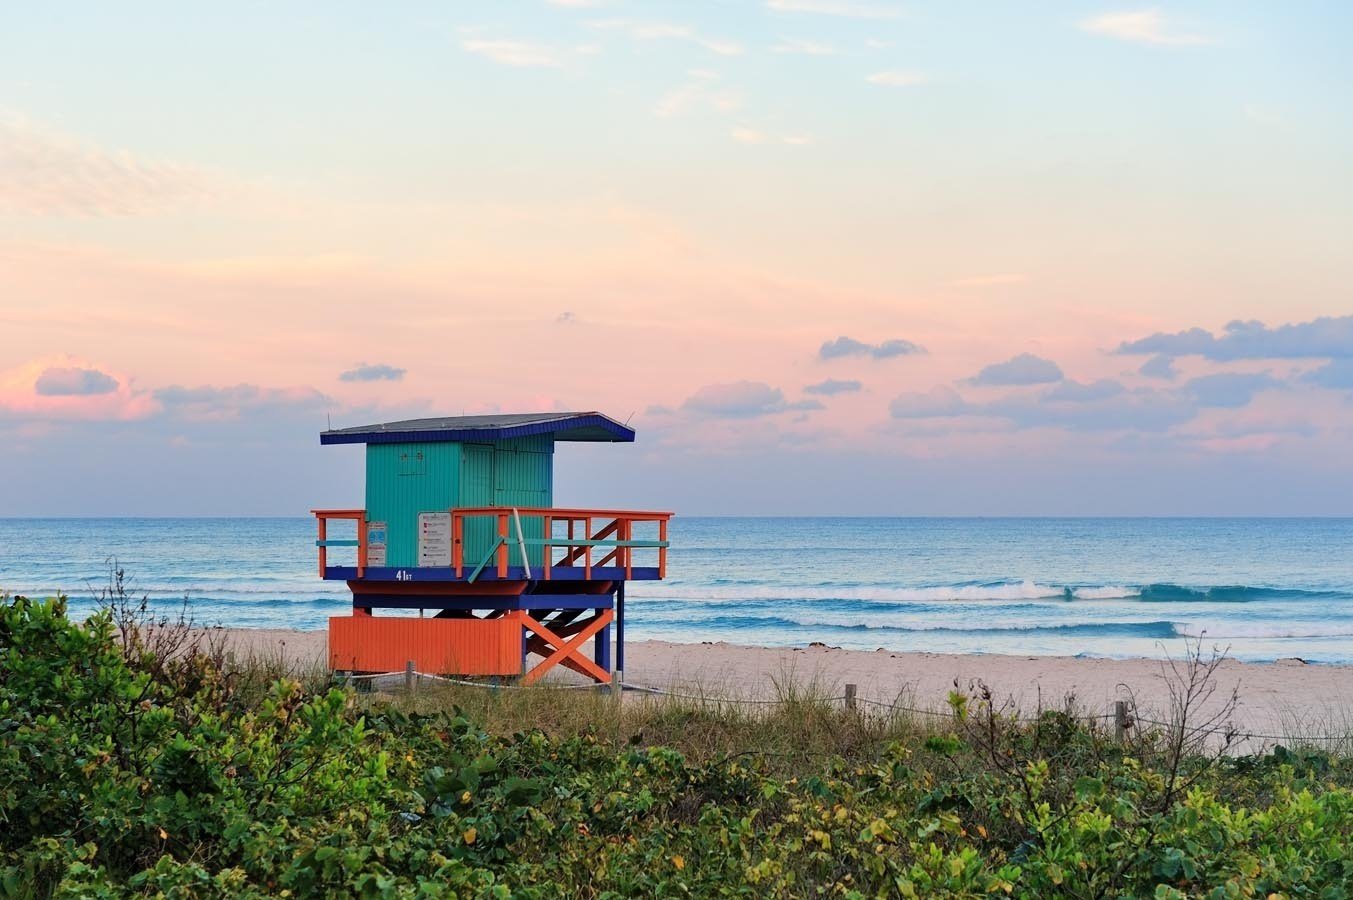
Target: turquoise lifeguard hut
<point>460,524</point>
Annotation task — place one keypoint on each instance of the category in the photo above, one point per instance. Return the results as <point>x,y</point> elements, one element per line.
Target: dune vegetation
<point>138,759</point>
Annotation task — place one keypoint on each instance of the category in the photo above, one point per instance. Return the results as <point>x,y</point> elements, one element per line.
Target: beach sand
<point>1287,698</point>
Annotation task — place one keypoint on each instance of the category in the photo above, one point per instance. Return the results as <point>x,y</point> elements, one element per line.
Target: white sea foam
<point>998,592</point>
<point>1218,631</point>
<point>1105,593</point>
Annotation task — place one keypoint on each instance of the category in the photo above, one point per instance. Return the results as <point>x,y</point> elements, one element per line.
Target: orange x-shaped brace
<point>567,651</point>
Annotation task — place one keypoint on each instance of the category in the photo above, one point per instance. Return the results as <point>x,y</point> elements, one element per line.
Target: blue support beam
<point>601,648</point>
<point>447,574</point>
<point>620,626</point>
<point>523,601</point>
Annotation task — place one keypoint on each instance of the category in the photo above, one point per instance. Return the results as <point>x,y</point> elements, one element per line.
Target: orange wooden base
<point>436,646</point>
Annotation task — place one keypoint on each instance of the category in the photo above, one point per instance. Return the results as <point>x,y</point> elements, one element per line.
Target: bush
<point>122,774</point>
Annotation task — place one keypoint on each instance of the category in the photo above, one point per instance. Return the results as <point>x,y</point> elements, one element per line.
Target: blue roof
<point>568,426</point>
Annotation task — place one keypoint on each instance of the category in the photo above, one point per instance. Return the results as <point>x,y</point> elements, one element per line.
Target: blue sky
<point>832,256</point>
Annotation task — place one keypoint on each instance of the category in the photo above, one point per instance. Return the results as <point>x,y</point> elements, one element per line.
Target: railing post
<point>620,629</point>
<point>502,545</point>
<point>323,536</point>
<point>850,696</point>
<point>587,551</point>
<point>628,528</point>
<point>1120,720</point>
<point>548,533</point>
<point>662,551</point>
<point>361,544</point>
<point>458,542</point>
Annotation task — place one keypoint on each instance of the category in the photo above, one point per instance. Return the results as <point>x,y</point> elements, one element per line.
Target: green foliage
<point>122,775</point>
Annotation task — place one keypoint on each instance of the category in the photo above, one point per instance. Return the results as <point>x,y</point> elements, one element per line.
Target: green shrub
<point>123,773</point>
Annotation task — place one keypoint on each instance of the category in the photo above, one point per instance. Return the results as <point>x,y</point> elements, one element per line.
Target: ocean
<point>1264,588</point>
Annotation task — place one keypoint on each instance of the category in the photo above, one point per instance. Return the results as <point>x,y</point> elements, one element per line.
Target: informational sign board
<point>375,543</point>
<point>434,539</point>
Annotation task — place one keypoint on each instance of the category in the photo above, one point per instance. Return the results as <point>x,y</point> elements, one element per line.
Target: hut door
<point>476,489</point>
<point>521,478</point>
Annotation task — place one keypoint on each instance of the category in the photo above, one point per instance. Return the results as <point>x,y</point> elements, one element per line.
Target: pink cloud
<point>46,173</point>
<point>65,388</point>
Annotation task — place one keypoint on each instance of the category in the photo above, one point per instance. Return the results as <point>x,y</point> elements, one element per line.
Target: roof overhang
<point>588,426</point>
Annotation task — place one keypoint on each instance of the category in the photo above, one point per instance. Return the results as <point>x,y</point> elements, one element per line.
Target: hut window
<point>412,462</point>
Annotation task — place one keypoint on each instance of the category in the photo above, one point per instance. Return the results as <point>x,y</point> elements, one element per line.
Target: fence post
<point>617,677</point>
<point>1120,720</point>
<point>408,677</point>
<point>850,696</point>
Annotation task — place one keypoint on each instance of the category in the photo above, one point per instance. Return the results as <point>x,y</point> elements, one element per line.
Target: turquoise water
<point>1265,588</point>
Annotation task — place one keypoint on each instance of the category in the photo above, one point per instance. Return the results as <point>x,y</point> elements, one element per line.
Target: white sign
<point>375,544</point>
<point>434,539</point>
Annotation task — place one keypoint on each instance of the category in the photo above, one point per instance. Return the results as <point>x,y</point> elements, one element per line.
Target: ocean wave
<point>969,592</point>
<point>1108,592</point>
<point>281,592</point>
<point>1158,629</point>
<point>204,607</point>
<point>1233,631</point>
<point>1234,593</point>
<point>977,592</point>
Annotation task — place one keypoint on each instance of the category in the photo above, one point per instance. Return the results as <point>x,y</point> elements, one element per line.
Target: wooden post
<point>620,628</point>
<point>850,696</point>
<point>1120,720</point>
<point>458,543</point>
<point>662,551</point>
<point>408,677</point>
<point>549,533</point>
<point>323,550</point>
<point>587,551</point>
<point>616,678</point>
<point>628,529</point>
<point>361,545</point>
<point>502,545</point>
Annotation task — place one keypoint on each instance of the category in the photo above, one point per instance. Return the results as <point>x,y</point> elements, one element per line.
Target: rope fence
<point>1123,717</point>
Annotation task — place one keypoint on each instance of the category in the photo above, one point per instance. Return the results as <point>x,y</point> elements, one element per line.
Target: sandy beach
<point>1287,697</point>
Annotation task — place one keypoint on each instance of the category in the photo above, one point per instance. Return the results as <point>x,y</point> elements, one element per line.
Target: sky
<point>827,257</point>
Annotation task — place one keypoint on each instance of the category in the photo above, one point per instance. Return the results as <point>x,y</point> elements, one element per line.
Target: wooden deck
<point>576,545</point>
<point>489,609</point>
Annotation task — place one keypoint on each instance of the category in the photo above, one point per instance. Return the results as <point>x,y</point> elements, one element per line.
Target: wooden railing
<point>322,517</point>
<point>586,530</point>
<point>616,522</point>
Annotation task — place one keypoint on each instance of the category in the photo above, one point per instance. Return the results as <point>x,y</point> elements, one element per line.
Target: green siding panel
<point>524,479</point>
<point>403,480</point>
<point>476,489</point>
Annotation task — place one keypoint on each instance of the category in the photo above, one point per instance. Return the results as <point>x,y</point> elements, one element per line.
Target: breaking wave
<point>975,592</point>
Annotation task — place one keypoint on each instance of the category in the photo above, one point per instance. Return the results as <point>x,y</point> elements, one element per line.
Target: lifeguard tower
<point>460,525</point>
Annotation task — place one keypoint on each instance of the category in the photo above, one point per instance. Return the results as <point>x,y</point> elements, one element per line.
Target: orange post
<point>615,556</point>
<point>502,545</point>
<point>587,551</point>
<point>361,547</point>
<point>628,529</point>
<point>458,542</point>
<point>662,551</point>
<point>323,550</point>
<point>549,533</point>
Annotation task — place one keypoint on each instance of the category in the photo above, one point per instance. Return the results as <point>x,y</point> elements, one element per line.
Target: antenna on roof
<point>630,416</point>
<point>329,419</point>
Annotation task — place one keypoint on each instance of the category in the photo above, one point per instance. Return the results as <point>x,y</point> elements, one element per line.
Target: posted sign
<point>434,539</point>
<point>375,544</point>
